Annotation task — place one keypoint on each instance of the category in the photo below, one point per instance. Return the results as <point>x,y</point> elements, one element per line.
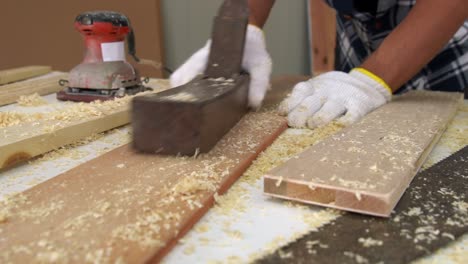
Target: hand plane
<point>193,117</point>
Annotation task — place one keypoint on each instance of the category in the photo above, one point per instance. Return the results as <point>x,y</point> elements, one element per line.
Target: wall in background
<point>187,26</point>
<point>42,32</point>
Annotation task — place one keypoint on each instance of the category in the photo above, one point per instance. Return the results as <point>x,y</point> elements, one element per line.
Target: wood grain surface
<point>21,73</point>
<point>368,166</point>
<point>10,93</point>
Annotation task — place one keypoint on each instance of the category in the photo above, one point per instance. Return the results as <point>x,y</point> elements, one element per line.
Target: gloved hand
<point>256,61</point>
<point>332,95</point>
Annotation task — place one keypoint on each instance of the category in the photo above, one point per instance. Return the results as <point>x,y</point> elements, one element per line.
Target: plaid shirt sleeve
<point>360,33</point>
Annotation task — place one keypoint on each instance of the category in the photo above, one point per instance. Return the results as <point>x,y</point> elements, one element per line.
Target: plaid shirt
<point>362,25</point>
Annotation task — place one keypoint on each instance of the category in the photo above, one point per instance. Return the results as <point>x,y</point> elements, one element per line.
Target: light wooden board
<point>18,74</point>
<point>322,32</point>
<point>9,93</point>
<point>125,206</point>
<point>368,166</point>
<point>65,126</point>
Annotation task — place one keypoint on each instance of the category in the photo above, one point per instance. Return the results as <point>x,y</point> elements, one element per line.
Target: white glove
<point>256,61</point>
<point>347,96</point>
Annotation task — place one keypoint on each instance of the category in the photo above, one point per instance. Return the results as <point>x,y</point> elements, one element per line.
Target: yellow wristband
<point>374,77</point>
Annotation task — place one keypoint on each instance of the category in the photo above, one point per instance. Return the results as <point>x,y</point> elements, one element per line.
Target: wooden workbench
<point>222,241</point>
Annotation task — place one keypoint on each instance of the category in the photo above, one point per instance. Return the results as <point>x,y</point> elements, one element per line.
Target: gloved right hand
<point>256,61</point>
<point>346,97</point>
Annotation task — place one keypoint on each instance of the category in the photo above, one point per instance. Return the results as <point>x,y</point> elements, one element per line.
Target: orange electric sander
<point>104,73</point>
<point>192,118</point>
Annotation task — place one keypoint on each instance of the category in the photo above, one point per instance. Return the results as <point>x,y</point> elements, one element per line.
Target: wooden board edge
<point>22,73</point>
<point>327,196</point>
<point>224,187</point>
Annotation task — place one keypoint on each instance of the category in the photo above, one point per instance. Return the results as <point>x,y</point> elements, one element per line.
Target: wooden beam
<point>9,93</point>
<point>367,167</point>
<point>18,74</point>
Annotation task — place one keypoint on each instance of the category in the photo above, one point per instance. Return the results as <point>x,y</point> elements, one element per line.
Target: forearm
<point>259,11</point>
<point>421,35</point>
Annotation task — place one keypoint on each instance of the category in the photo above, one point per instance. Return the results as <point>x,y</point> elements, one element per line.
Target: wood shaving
<point>285,255</point>
<point>356,257</point>
<point>188,250</point>
<point>11,118</point>
<point>278,182</point>
<point>370,242</point>
<point>31,100</point>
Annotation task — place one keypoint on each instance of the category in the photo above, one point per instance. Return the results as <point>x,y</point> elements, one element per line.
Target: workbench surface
<point>246,224</point>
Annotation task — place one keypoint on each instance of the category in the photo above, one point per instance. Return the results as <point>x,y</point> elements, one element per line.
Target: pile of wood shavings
<point>75,112</point>
<point>31,100</point>
<point>12,118</point>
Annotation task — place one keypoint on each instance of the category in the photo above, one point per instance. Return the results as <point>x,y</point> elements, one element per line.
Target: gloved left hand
<point>335,95</point>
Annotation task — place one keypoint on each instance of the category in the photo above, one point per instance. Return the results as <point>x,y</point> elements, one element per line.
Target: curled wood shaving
<point>31,100</point>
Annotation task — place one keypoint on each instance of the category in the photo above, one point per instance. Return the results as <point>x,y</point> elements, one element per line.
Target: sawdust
<point>145,231</point>
<point>456,252</point>
<point>454,137</point>
<point>287,146</point>
<point>192,185</point>
<point>73,112</point>
<point>189,249</point>
<point>134,234</point>
<point>11,118</point>
<point>52,256</point>
<point>285,255</point>
<point>99,256</point>
<point>10,204</point>
<point>31,100</point>
<point>369,242</point>
<point>356,257</point>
